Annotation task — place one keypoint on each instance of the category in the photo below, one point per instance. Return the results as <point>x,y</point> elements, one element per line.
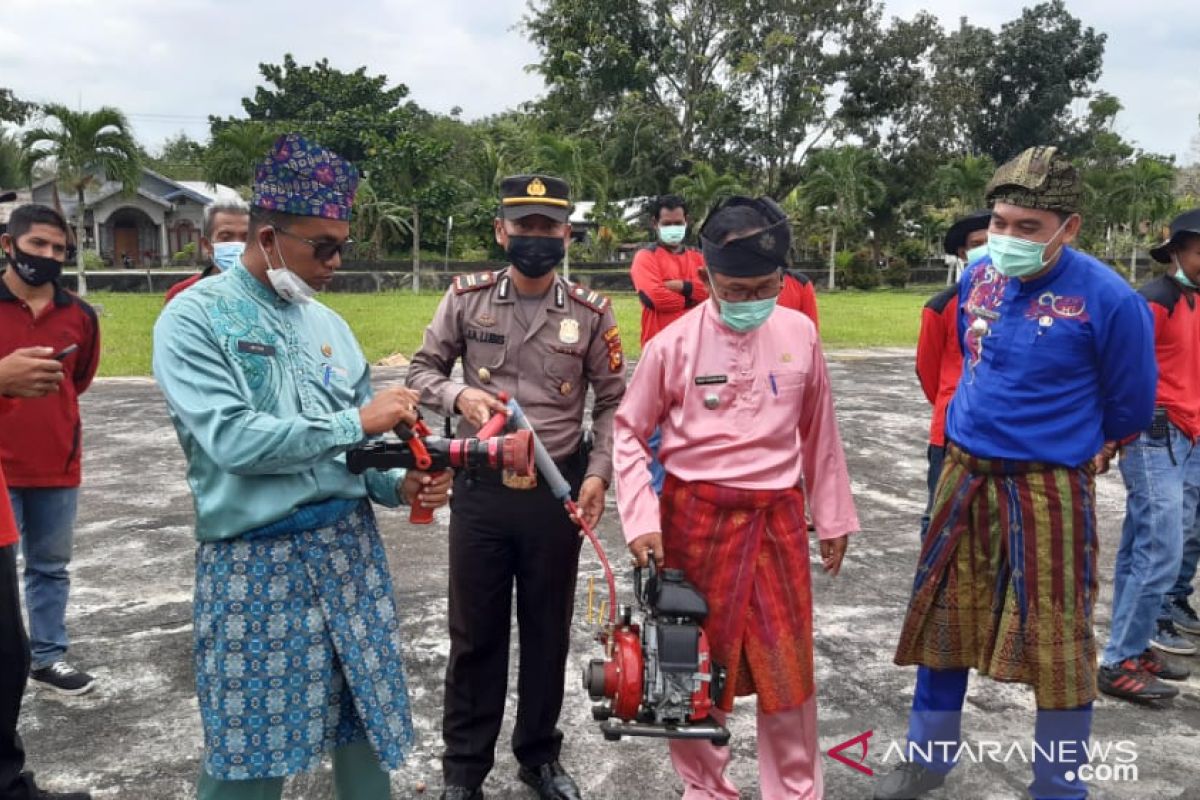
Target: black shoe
<point>908,781</point>
<point>63,678</point>
<point>550,781</point>
<point>1129,680</point>
<point>462,793</point>
<point>1162,667</point>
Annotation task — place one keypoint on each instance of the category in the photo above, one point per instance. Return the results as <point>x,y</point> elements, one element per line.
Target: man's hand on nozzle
<point>389,408</point>
<point>477,406</point>
<point>30,372</point>
<point>642,546</point>
<point>430,491</point>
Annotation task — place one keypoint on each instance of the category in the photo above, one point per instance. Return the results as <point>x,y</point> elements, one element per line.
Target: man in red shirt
<point>30,373</point>
<point>40,440</point>
<point>1161,470</point>
<point>798,294</point>
<point>666,274</point>
<point>223,235</point>
<point>939,356</point>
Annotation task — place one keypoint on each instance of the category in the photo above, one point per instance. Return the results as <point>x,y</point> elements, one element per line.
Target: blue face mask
<point>977,253</point>
<point>1018,258</point>
<point>227,255</point>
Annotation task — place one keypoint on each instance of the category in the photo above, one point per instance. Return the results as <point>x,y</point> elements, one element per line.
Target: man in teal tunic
<point>297,640</point>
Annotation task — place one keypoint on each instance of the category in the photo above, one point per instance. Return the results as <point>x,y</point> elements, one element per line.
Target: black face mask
<point>534,256</point>
<point>34,270</point>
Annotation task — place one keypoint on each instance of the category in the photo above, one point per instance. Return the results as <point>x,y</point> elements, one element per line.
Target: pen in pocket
<point>774,386</point>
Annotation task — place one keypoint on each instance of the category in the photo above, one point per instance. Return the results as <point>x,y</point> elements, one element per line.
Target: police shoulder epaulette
<point>473,282</point>
<point>590,298</point>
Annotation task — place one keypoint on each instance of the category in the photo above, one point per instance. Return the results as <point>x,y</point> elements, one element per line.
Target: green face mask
<point>976,253</point>
<point>672,234</point>
<point>1017,258</point>
<point>1182,277</point>
<point>746,315</point>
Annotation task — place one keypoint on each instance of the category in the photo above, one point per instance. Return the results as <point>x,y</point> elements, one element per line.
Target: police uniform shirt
<point>571,342</point>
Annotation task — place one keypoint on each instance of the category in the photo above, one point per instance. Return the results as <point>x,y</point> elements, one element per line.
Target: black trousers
<point>499,536</point>
<point>14,671</point>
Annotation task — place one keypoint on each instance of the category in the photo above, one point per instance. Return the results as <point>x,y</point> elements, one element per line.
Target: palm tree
<point>377,221</point>
<point>704,187</point>
<point>1144,188</point>
<point>87,148</point>
<point>11,158</point>
<point>843,181</point>
<point>575,161</point>
<point>964,181</point>
<point>235,149</point>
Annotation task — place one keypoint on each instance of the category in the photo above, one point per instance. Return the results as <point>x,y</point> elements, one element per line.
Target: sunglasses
<point>323,249</point>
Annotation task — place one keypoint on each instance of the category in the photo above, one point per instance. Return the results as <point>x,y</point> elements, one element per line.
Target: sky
<point>168,65</point>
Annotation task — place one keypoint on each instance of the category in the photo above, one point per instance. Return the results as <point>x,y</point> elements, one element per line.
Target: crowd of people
<point>1042,365</point>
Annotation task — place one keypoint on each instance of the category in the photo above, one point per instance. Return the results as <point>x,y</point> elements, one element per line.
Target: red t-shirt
<point>186,283</point>
<point>652,267</point>
<point>798,294</point>
<point>1177,351</point>
<point>939,358</point>
<point>40,441</point>
<point>8,523</point>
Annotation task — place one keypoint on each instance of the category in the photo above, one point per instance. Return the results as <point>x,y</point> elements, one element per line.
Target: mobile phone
<point>66,351</point>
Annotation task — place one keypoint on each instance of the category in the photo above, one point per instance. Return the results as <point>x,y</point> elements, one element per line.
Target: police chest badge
<point>568,331</point>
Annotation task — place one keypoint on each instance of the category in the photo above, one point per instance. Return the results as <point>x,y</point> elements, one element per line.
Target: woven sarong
<point>747,553</point>
<point>1006,582</point>
<point>298,650</point>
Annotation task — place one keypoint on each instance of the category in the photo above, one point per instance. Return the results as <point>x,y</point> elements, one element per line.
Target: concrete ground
<point>138,736</point>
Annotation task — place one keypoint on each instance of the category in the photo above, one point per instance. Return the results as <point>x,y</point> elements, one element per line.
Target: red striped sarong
<point>747,553</point>
<point>1006,581</point>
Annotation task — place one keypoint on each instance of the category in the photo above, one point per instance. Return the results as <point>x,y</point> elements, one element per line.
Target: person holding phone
<point>41,440</point>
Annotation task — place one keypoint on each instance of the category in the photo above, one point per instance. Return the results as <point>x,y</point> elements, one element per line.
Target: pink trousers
<point>789,759</point>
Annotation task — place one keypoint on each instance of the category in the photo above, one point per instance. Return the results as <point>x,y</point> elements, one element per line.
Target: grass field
<point>393,322</point>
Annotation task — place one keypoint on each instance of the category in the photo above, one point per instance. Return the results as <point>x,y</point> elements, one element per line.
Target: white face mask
<point>286,283</point>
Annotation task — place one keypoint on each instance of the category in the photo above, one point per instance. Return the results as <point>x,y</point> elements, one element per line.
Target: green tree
<point>13,109</point>
<point>338,109</point>
<point>704,187</point>
<point>844,182</point>
<point>87,147</point>
<point>963,181</point>
<point>180,158</point>
<point>12,156</point>
<point>235,149</point>
<point>377,223</point>
<point>744,85</point>
<point>1144,189</point>
<point>1039,64</point>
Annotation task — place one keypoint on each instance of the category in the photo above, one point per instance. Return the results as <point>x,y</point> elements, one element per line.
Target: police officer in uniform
<point>528,332</point>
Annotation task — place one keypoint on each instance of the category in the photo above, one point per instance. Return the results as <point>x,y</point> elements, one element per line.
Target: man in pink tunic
<point>740,390</point>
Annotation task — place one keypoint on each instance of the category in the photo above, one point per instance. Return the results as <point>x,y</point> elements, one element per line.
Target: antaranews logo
<point>1102,761</point>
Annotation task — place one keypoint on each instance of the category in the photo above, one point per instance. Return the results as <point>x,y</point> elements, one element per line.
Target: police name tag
<point>711,380</point>
<point>254,348</point>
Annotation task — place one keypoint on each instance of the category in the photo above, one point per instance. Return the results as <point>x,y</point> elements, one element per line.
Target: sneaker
<point>63,678</point>
<point>908,781</point>
<point>1160,666</point>
<point>1130,681</point>
<point>1168,639</point>
<point>1184,616</point>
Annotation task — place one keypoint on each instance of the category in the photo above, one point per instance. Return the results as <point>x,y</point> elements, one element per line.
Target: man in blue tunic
<point>1058,369</point>
<point>297,637</point>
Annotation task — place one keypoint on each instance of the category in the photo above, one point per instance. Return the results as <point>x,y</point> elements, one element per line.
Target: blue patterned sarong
<point>298,650</point>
